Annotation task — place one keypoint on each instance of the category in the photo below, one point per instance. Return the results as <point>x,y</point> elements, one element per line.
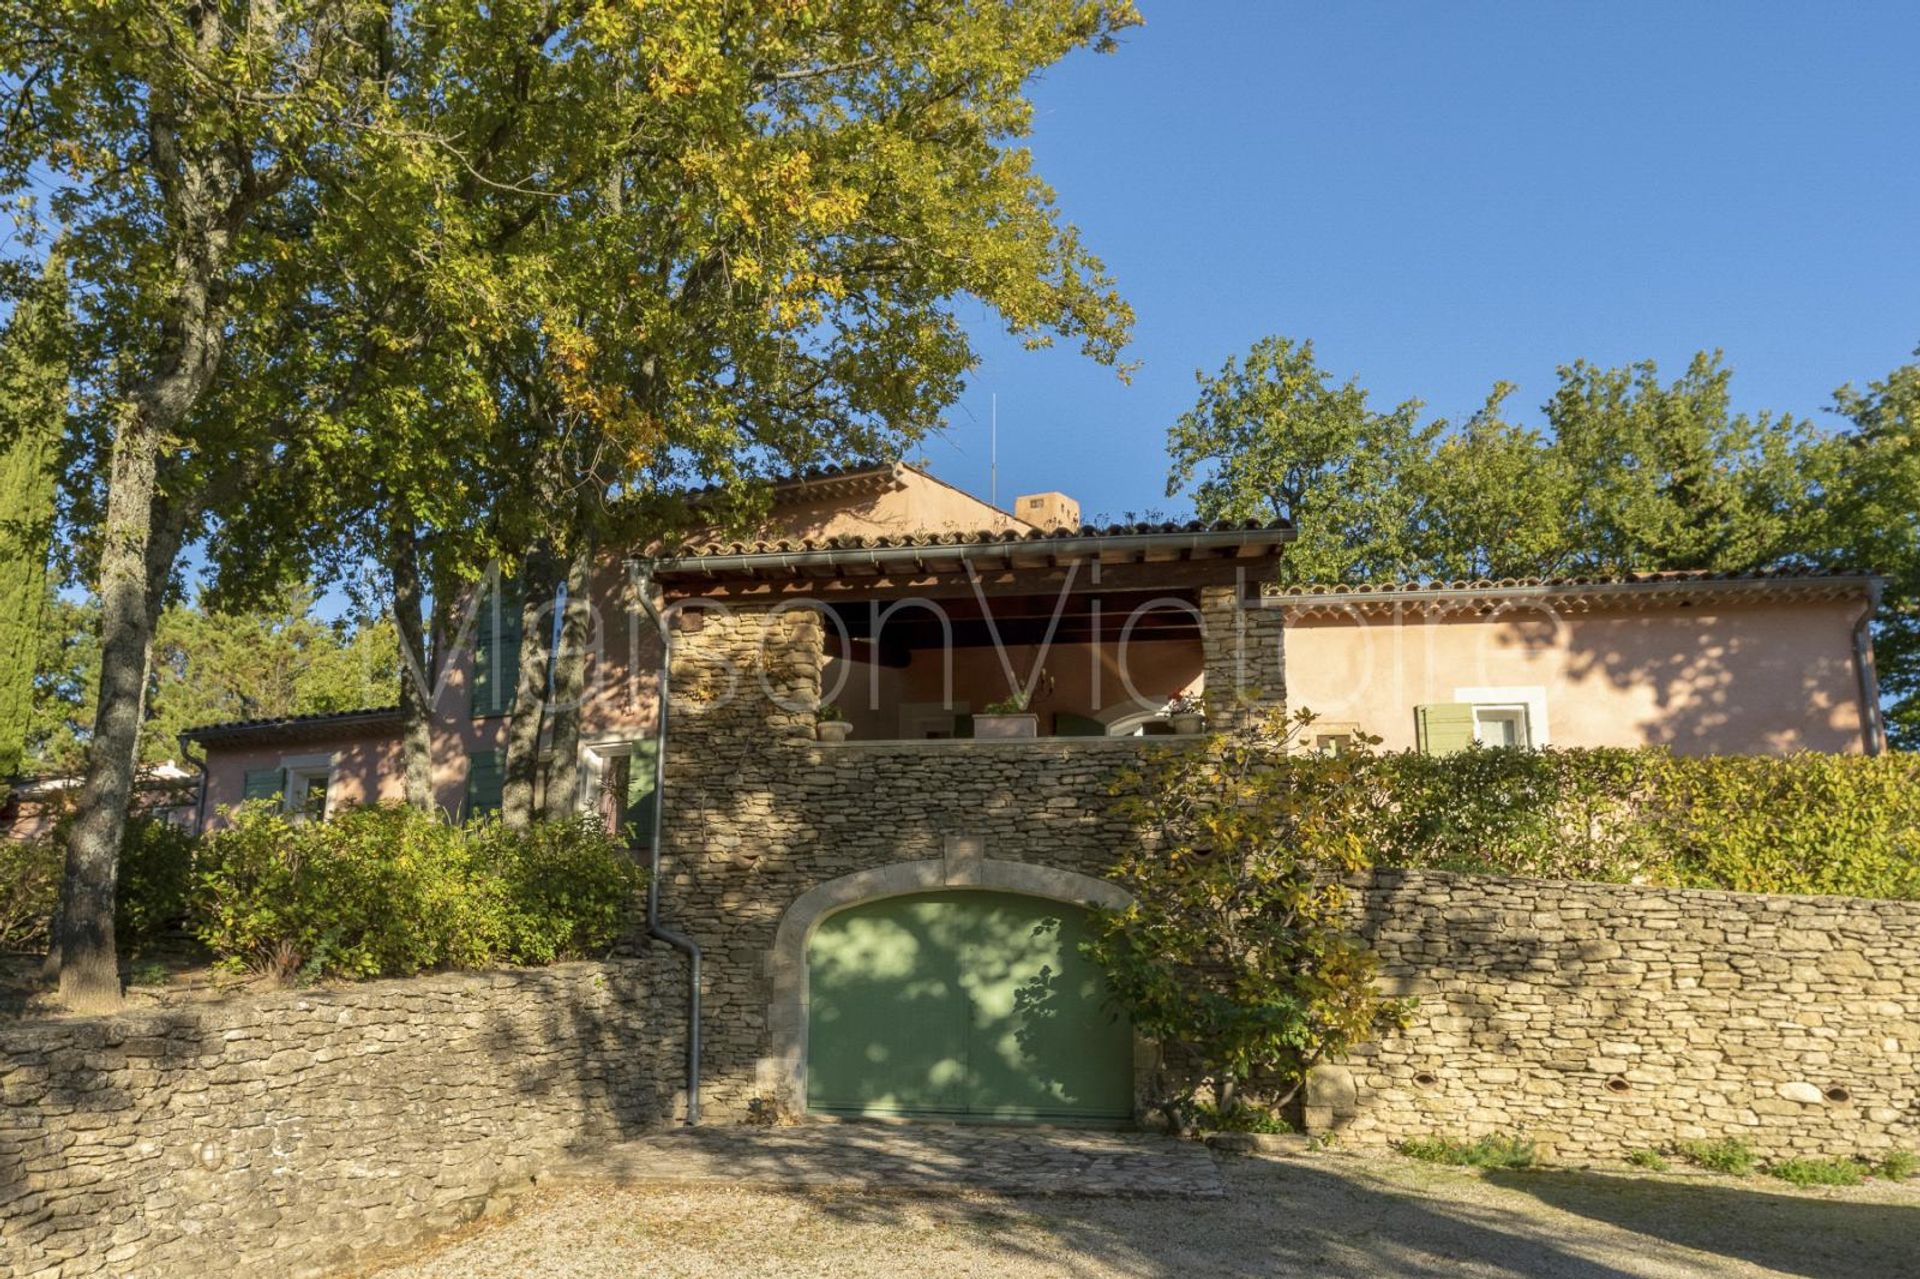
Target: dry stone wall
<point>291,1133</point>
<point>1598,1019</point>
<point>758,813</point>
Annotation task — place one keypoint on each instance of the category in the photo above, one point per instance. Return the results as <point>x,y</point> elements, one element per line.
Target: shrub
<point>1651,1160</point>
<point>569,887</point>
<point>1494,1151</point>
<point>156,880</point>
<point>1898,1166</point>
<point>1818,1172</point>
<point>389,891</point>
<point>1234,948</point>
<point>1729,1155</point>
<point>30,871</point>
<point>156,872</point>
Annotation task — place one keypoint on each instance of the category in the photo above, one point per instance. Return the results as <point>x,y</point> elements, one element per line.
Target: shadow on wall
<point>1738,684</point>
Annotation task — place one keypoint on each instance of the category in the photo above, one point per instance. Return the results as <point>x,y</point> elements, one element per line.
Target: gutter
<point>641,572</point>
<point>1873,730</point>
<point>200,789</point>
<point>1458,594</point>
<point>916,556</point>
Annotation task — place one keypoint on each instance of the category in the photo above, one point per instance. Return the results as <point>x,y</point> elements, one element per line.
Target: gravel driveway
<point>1337,1216</point>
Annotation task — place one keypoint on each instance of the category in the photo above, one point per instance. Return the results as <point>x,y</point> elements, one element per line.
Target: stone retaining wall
<point>290,1133</point>
<point>1598,1019</point>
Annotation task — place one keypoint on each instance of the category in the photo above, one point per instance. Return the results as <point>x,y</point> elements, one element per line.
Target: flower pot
<point>832,730</point>
<point>1188,724</point>
<point>1006,727</point>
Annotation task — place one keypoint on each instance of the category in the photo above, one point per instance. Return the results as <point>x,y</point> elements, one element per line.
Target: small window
<point>1501,726</point>
<point>1331,744</point>
<point>307,794</point>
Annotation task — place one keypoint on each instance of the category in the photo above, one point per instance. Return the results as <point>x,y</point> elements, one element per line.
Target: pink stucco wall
<point>1706,679</point>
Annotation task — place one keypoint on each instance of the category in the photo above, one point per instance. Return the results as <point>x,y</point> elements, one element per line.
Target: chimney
<point>1048,511</point>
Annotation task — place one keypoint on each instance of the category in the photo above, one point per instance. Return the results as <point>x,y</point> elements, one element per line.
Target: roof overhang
<point>288,729</point>
<point>1191,554</point>
<point>1572,594</point>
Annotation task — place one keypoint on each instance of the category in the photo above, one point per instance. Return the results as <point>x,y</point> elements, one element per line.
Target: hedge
<point>373,892</point>
<point>1805,823</point>
<point>389,891</point>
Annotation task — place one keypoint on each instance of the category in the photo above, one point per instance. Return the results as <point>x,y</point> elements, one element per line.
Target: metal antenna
<point>993,453</point>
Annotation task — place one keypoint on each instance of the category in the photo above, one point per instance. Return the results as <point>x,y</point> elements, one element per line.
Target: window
<point>1501,726</point>
<point>621,777</point>
<point>1331,744</point>
<point>307,792</point>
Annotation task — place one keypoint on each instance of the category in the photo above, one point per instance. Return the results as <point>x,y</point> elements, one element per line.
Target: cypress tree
<point>33,411</point>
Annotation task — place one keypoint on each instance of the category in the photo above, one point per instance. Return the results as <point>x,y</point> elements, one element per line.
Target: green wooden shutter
<point>485,676</point>
<point>496,654</point>
<point>507,662</point>
<point>485,776</point>
<point>1444,727</point>
<point>1067,724</point>
<point>642,797</point>
<point>263,783</point>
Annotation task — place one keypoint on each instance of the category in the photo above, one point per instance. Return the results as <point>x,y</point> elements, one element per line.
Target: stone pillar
<point>1246,660</point>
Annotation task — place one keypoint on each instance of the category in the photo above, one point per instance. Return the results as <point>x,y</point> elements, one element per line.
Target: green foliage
<point>209,667</point>
<point>1807,823</point>
<point>1819,1172</point>
<point>1014,703</point>
<point>1729,1155</point>
<point>33,416</point>
<point>1867,522</point>
<point>156,880</point>
<point>1493,1151</point>
<point>567,886</point>
<point>1234,947</point>
<point>1650,1159</point>
<point>30,871</point>
<point>1898,1165</point>
<point>1628,472</point>
<point>1273,437</point>
<point>1245,1117</point>
<point>151,893</point>
<point>380,892</point>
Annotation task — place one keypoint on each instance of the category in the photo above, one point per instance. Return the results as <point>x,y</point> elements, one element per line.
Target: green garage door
<point>963,1005</point>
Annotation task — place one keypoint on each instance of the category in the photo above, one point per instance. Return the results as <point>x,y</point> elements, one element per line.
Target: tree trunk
<point>570,682</point>
<point>521,773</point>
<point>138,545</point>
<point>419,676</point>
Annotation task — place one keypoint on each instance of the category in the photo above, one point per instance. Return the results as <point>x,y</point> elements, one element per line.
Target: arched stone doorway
<point>932,901</point>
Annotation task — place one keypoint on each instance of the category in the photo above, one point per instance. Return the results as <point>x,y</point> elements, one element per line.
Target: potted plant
<point>1184,713</point>
<point>830,724</point>
<point>1007,718</point>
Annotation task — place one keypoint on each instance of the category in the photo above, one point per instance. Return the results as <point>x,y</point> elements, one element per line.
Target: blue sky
<point>1442,195</point>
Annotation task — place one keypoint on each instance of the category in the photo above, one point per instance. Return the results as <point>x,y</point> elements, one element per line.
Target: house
<point>888,924</point>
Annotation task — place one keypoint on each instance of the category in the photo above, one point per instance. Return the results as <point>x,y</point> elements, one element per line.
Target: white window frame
<point>1530,700</point>
<point>297,775</point>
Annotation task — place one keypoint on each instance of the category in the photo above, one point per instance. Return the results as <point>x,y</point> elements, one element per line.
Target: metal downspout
<point>1873,729</point>
<point>642,571</point>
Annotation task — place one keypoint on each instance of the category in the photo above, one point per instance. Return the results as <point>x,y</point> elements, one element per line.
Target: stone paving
<point>910,1159</point>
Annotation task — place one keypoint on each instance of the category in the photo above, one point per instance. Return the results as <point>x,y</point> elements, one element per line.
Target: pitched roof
<point>947,552</point>
<point>1574,591</point>
<point>296,728</point>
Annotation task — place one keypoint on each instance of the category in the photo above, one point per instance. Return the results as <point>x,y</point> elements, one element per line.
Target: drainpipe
<point>1872,730</point>
<point>641,572</point>
<point>200,790</point>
